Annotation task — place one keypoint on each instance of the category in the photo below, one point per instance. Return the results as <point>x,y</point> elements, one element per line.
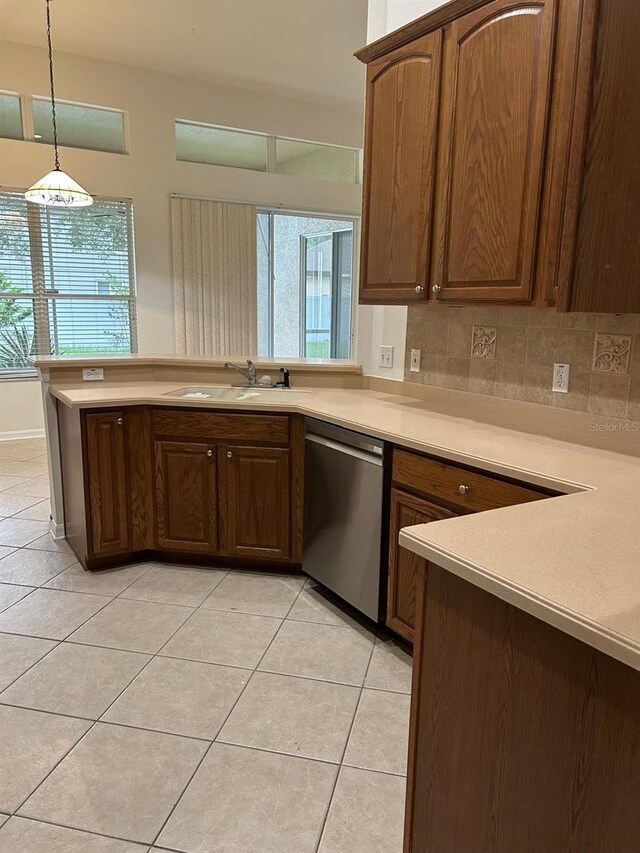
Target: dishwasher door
<point>343,514</point>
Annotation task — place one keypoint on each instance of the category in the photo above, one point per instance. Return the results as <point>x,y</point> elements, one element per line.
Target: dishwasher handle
<point>363,455</point>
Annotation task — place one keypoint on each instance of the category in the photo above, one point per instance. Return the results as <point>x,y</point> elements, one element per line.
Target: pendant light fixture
<point>56,189</point>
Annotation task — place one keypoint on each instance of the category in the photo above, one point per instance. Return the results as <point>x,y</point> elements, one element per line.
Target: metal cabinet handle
<point>464,490</point>
<point>120,421</point>
<point>419,290</point>
<point>437,289</point>
<point>229,454</point>
<point>209,452</point>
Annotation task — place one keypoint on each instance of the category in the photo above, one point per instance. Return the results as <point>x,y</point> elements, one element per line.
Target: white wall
<point>387,324</point>
<point>20,407</point>
<point>150,173</point>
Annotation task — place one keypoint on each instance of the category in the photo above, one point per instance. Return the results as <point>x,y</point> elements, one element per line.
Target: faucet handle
<point>285,378</point>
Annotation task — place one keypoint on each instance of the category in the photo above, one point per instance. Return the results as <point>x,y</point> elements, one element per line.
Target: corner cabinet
<point>106,483</point>
<point>501,162</point>
<point>212,486</point>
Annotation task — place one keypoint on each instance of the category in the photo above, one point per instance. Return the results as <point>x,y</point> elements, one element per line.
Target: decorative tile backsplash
<point>510,352</point>
<point>484,342</point>
<point>612,353</point>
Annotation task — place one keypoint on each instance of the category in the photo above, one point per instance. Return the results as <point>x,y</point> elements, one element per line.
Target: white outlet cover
<point>561,374</point>
<point>386,356</point>
<point>416,355</point>
<point>92,374</point>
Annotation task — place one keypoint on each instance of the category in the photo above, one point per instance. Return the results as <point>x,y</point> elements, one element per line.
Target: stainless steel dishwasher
<point>343,513</point>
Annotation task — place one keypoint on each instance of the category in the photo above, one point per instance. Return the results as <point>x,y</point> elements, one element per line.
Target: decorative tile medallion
<point>483,343</point>
<point>611,353</point>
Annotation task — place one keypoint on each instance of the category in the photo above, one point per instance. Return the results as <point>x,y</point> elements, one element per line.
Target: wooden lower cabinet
<point>255,502</point>
<point>106,484</point>
<point>186,496</point>
<point>405,566</point>
<point>146,482</point>
<point>522,739</point>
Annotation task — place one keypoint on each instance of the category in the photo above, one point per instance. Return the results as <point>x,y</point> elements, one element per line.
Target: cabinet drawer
<point>272,429</point>
<point>443,481</point>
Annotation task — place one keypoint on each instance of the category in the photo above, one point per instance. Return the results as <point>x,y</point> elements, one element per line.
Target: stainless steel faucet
<point>249,373</point>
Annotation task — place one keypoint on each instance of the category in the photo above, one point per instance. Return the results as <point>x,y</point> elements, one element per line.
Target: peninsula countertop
<point>572,561</point>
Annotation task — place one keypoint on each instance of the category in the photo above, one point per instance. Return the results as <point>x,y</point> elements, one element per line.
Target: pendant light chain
<point>53,97</point>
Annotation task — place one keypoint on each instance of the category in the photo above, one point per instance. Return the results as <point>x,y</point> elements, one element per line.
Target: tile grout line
<point>346,745</point>
<point>252,671</point>
<point>170,815</point>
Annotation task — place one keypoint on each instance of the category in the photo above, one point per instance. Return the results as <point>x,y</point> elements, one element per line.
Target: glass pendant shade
<point>57,189</point>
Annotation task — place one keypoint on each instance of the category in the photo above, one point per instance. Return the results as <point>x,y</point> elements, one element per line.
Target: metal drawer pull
<point>464,490</point>
<point>419,290</point>
<point>120,421</point>
<point>229,454</point>
<point>437,289</point>
<point>209,452</point>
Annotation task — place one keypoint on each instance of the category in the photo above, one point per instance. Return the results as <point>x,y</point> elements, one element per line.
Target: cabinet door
<point>106,478</point>
<point>186,496</point>
<point>495,100</point>
<point>255,502</point>
<point>404,566</point>
<point>399,171</point>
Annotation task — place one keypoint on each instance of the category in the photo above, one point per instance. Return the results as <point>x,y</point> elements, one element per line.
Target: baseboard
<point>21,433</point>
<point>56,530</point>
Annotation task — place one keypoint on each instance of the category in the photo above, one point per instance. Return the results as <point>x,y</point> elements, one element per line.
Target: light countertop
<point>572,561</point>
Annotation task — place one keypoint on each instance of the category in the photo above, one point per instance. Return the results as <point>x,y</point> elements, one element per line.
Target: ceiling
<point>301,48</point>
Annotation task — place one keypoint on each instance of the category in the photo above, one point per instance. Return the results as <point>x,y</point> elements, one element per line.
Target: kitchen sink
<point>239,395</point>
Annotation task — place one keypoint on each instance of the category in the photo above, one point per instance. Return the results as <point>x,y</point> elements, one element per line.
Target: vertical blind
<point>214,277</point>
<point>66,280</point>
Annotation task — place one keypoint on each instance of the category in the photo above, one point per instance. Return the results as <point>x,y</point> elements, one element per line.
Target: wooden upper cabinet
<point>405,566</point>
<point>601,261</point>
<point>495,100</point>
<point>106,483</point>
<point>186,497</point>
<point>399,171</point>
<point>255,502</point>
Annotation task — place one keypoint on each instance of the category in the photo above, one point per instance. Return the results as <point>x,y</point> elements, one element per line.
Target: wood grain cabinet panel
<point>255,502</point>
<point>606,259</point>
<point>186,496</point>
<point>106,483</point>
<point>399,172</point>
<point>523,739</point>
<point>405,566</point>
<point>495,100</point>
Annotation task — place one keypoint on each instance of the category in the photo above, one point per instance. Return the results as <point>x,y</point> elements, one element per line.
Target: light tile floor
<point>160,707</point>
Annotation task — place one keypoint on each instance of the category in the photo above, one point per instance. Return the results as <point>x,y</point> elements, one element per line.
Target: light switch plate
<point>415,360</point>
<point>561,373</point>
<point>92,374</point>
<point>386,356</point>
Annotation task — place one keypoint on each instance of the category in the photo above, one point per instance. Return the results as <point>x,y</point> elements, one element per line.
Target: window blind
<point>66,280</point>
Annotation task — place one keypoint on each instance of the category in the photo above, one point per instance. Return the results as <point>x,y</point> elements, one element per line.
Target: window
<point>223,146</point>
<point>66,280</point>
<point>305,285</point>
<point>322,162</point>
<point>202,143</point>
<point>10,119</point>
<point>79,126</point>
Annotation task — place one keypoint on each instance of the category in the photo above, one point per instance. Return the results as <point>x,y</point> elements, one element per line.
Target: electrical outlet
<point>561,373</point>
<point>92,374</point>
<point>415,360</point>
<point>386,356</point>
